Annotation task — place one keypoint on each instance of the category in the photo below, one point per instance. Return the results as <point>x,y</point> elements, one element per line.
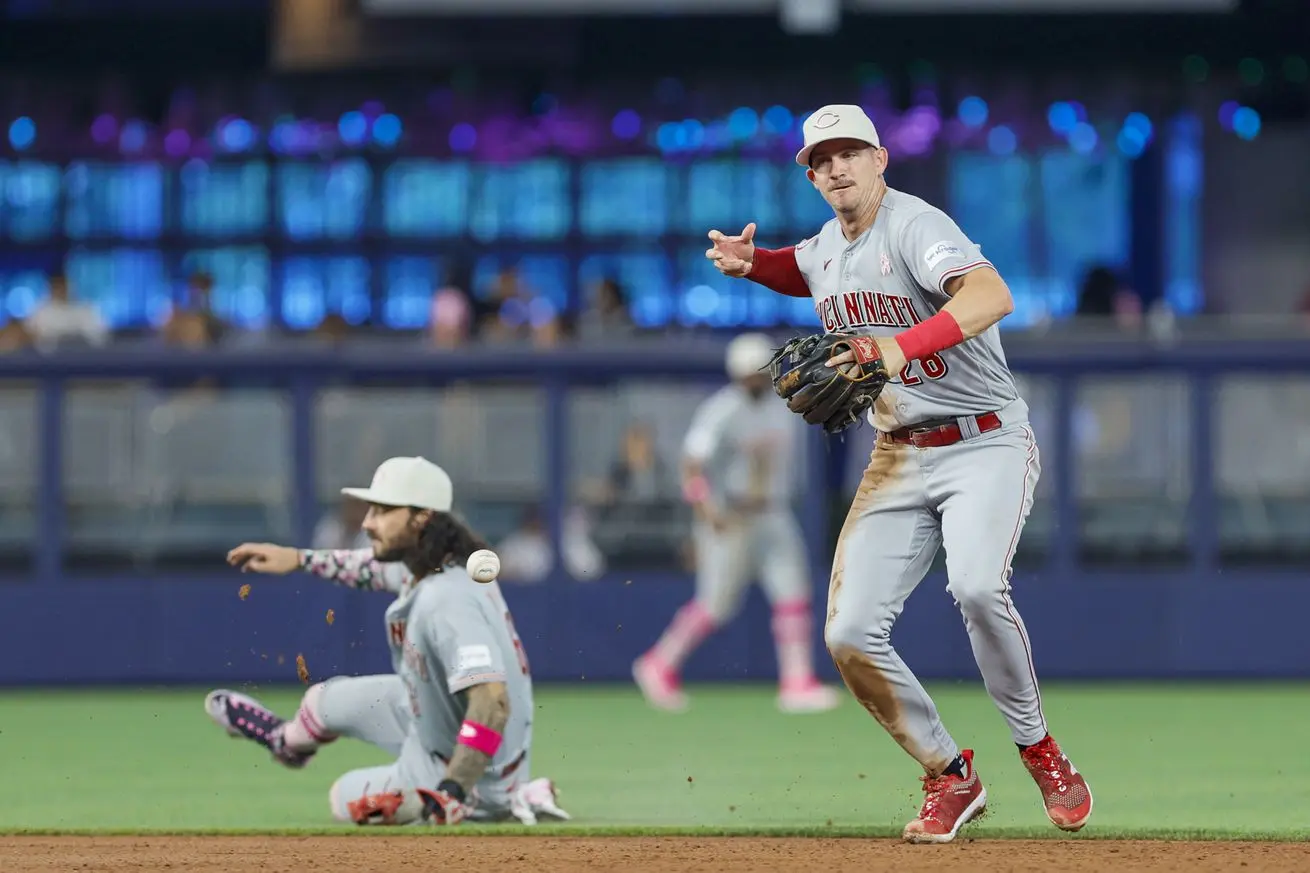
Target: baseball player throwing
<point>954,464</point>
<point>736,474</point>
<point>457,712</point>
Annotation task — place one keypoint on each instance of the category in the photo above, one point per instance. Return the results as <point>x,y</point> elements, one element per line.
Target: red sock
<point>792,633</point>
<point>689,628</point>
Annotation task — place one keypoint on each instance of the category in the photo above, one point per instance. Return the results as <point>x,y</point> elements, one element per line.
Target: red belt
<point>936,436</point>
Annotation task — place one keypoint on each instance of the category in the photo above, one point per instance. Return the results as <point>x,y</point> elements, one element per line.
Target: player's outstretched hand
<point>733,255</point>
<point>443,807</point>
<point>264,558</point>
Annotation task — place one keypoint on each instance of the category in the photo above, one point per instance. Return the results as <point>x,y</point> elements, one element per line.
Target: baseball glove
<point>834,397</point>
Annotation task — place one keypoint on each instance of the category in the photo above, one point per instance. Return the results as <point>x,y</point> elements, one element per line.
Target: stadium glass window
<point>807,211</point>
<point>224,199</point>
<point>707,298</point>
<point>645,276</point>
<point>626,197</point>
<point>313,287</point>
<point>409,282</point>
<point>318,201</point>
<point>545,276</point>
<point>124,201</point>
<point>423,198</point>
<point>727,194</point>
<point>29,200</point>
<point>1085,221</point>
<point>529,200</point>
<point>241,282</point>
<point>129,286</point>
<point>991,197</point>
<point>22,287</point>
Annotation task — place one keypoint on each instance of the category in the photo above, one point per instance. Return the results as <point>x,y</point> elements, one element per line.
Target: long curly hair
<point>445,540</point>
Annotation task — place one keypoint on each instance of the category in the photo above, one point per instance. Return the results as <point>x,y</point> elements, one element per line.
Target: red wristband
<point>696,490</point>
<point>929,337</point>
<point>479,737</point>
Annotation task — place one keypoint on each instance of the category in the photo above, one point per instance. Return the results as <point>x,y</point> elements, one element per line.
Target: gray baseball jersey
<point>891,278</point>
<point>446,634</point>
<point>745,446</point>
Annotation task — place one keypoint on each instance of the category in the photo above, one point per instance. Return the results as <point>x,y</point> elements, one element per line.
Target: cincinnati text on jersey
<point>854,309</point>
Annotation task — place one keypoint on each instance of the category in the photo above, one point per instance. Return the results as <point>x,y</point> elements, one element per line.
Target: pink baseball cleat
<point>807,696</point>
<point>659,685</point>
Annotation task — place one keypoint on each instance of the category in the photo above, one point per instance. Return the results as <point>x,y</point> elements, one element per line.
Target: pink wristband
<point>929,337</point>
<point>479,738</point>
<point>696,490</point>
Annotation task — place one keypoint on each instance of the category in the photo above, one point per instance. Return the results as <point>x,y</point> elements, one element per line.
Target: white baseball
<point>483,565</point>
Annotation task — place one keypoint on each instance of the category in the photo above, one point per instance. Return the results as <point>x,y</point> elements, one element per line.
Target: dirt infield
<point>491,854</point>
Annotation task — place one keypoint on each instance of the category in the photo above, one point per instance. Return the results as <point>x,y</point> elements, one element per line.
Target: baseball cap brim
<point>367,495</point>
<point>803,156</point>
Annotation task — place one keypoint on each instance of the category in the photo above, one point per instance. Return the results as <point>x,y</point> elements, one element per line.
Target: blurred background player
<point>737,474</point>
<point>457,712</point>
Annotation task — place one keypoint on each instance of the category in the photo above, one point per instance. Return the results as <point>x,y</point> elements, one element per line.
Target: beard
<point>392,553</point>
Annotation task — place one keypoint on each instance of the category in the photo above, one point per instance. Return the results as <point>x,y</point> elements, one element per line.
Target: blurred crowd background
<point>420,180</point>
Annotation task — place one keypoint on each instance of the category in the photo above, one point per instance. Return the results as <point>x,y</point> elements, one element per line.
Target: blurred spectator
<point>341,529</point>
<point>452,318</point>
<point>194,324</point>
<point>526,554</point>
<point>513,313</point>
<point>333,330</point>
<point>606,316</point>
<point>59,321</point>
<point>639,475</point>
<point>14,338</point>
<point>1103,294</point>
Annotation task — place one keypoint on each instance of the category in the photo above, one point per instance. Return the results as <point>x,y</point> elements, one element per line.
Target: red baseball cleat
<point>1065,793</point>
<point>950,802</point>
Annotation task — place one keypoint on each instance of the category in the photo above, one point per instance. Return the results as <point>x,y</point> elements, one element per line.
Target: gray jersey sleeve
<point>936,250</point>
<point>807,255</point>
<point>468,646</point>
<point>708,425</point>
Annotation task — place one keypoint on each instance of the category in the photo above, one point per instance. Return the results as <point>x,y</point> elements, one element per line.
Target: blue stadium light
<point>463,137</point>
<point>1083,138</point>
<point>1226,112</point>
<point>700,303</point>
<point>1131,142</point>
<point>282,138</point>
<point>177,142</point>
<point>1246,123</point>
<point>132,138</point>
<point>22,133</point>
<point>22,301</point>
<point>693,134</point>
<point>1138,122</point>
<point>626,124</point>
<point>352,128</point>
<point>973,111</point>
<point>1002,141</point>
<point>1062,117</point>
<point>668,137</point>
<point>104,129</point>
<point>387,130</point>
<point>238,135</point>
<point>777,119</point>
<point>743,123</point>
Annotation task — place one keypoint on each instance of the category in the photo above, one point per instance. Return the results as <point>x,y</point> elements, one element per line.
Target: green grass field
<point>1180,761</point>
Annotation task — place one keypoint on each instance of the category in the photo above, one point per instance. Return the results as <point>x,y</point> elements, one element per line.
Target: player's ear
<point>880,159</point>
<point>419,517</point>
<point>809,174</point>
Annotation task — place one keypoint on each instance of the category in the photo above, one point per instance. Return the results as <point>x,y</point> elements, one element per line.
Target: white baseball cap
<point>748,354</point>
<point>413,482</point>
<point>836,121</point>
